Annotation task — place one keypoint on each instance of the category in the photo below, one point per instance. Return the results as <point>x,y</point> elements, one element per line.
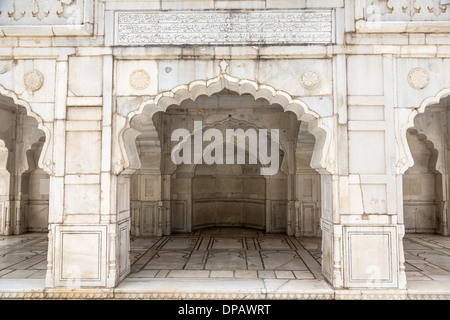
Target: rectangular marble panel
<point>85,76</point>
<point>223,27</point>
<point>179,215</point>
<point>365,75</point>
<point>2,216</point>
<point>80,253</point>
<point>83,151</point>
<point>124,248</point>
<point>82,199</point>
<point>367,152</point>
<point>308,219</point>
<point>371,257</point>
<point>278,216</point>
<point>149,219</point>
<point>327,250</point>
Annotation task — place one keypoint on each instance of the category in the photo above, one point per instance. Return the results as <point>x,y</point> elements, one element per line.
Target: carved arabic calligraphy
<point>224,27</point>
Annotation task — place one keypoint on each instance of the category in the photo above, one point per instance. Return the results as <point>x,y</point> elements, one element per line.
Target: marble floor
<point>223,263</point>
<point>225,253</point>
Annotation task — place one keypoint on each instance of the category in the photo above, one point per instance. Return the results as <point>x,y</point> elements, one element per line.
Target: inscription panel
<point>224,27</point>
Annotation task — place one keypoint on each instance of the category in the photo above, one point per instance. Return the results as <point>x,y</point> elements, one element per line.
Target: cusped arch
<point>407,161</point>
<point>435,154</point>
<point>44,162</point>
<point>319,127</point>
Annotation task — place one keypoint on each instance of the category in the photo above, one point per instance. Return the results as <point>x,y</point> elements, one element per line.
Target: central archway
<point>154,202</point>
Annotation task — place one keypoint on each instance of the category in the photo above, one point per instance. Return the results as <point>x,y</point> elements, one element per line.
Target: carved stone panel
<point>41,12</point>
<point>223,27</point>
<point>149,219</point>
<point>179,223</point>
<point>407,10</point>
<point>2,215</point>
<point>278,216</point>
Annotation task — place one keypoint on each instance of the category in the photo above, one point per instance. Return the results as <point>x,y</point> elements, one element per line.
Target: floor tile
<point>188,274</point>
<point>245,274</point>
<point>266,274</point>
<point>284,274</point>
<point>303,275</point>
<point>221,274</point>
<point>226,260</point>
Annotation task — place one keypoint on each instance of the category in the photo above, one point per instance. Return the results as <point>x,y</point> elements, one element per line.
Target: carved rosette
<point>139,79</point>
<point>310,79</point>
<point>418,78</point>
<point>33,80</point>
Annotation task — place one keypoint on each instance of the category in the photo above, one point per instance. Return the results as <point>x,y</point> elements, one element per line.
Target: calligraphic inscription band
<point>223,27</point>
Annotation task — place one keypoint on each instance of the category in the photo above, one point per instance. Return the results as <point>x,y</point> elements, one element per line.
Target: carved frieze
<point>223,27</point>
<point>41,12</point>
<point>407,10</point>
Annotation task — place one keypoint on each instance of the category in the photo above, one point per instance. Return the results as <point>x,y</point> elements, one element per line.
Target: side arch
<point>45,160</point>
<point>405,157</point>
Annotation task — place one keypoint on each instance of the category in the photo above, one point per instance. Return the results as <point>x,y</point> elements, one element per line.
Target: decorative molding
<point>33,80</point>
<point>418,78</point>
<point>310,79</point>
<point>139,79</point>
<point>199,27</point>
<point>105,294</point>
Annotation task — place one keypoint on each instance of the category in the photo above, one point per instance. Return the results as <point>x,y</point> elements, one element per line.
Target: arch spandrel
<point>321,128</point>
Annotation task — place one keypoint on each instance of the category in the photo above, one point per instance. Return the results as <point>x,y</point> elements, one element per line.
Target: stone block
<point>278,4</point>
<point>236,4</point>
<point>295,80</point>
<point>136,77</point>
<point>365,75</point>
<point>82,199</point>
<point>324,3</point>
<point>367,152</point>
<point>85,76</point>
<point>178,72</point>
<point>408,95</point>
<point>83,152</point>
<point>186,4</point>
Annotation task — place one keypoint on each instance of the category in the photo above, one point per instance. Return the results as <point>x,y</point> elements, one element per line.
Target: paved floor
<point>231,257</point>
<point>225,253</point>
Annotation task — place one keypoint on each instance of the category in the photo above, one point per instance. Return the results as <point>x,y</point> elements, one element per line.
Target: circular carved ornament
<point>33,80</point>
<point>418,78</point>
<point>139,79</point>
<point>310,79</point>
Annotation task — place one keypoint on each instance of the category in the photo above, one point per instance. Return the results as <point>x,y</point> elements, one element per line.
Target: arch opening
<point>425,183</point>
<point>24,186</point>
<point>167,197</point>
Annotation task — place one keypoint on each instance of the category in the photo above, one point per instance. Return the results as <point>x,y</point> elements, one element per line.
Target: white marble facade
<point>91,90</point>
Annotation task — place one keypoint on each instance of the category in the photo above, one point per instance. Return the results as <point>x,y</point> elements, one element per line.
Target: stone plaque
<point>224,27</point>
